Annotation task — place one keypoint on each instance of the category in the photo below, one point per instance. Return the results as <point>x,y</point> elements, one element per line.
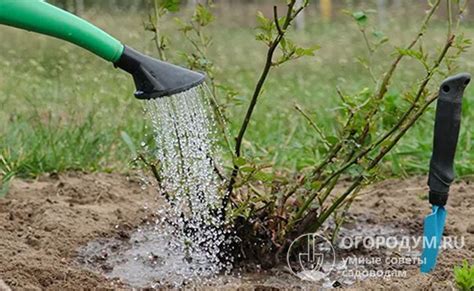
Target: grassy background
<point>61,108</point>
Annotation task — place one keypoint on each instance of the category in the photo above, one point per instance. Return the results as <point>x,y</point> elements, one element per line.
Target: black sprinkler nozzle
<point>154,78</point>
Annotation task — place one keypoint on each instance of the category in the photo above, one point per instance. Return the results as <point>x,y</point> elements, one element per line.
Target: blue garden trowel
<point>446,133</point>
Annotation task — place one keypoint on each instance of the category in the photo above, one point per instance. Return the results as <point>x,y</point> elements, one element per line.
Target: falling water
<point>190,221</point>
<point>187,242</point>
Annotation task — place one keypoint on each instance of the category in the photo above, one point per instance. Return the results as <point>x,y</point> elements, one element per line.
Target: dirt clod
<point>470,228</point>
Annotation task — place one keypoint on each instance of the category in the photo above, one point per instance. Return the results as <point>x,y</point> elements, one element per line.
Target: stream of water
<point>189,231</point>
<point>187,242</point>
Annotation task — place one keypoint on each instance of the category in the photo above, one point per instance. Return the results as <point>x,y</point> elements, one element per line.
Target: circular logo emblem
<point>311,257</point>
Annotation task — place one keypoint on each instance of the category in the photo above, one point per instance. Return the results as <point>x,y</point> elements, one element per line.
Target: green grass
<point>62,108</point>
<point>464,276</point>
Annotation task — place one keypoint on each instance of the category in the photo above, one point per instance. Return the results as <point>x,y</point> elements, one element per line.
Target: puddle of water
<point>143,261</point>
<point>149,258</point>
<point>146,260</point>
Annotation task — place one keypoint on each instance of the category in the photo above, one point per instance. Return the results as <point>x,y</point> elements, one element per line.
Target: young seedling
<point>464,276</point>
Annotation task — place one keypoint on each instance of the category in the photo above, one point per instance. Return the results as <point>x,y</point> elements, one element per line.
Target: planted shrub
<point>269,207</point>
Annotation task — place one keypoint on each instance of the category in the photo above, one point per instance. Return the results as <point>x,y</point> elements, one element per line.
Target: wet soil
<point>45,224</point>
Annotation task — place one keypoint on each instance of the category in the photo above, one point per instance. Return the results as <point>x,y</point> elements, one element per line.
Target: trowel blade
<point>433,228</point>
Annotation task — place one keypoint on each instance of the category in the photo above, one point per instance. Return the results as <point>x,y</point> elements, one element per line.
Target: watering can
<point>153,78</point>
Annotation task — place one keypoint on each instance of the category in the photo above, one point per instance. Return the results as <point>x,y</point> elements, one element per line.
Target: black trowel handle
<point>446,133</point>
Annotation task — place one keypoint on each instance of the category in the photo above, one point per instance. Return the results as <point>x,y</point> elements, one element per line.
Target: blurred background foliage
<point>61,108</point>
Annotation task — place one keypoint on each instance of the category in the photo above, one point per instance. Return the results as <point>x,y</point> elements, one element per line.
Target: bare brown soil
<point>403,202</point>
<point>44,222</point>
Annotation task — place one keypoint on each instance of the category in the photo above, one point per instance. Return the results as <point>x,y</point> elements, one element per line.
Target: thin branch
<point>366,40</point>
<point>258,88</point>
<point>356,184</point>
<point>388,76</point>
<point>381,92</point>
<point>157,37</point>
<point>313,125</point>
<point>450,17</point>
<point>153,168</point>
<point>383,138</point>
<point>335,149</point>
<point>276,18</point>
<point>460,13</point>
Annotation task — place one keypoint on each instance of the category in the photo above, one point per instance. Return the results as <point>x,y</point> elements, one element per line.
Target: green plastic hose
<point>153,78</point>
<point>41,17</point>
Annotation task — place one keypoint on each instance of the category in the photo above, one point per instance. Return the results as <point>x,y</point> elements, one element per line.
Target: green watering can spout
<point>153,78</point>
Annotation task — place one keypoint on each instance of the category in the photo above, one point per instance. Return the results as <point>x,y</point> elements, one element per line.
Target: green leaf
<point>262,20</point>
<point>315,185</point>
<point>265,27</point>
<point>378,34</point>
<point>203,15</point>
<point>360,17</point>
<point>247,169</point>
<point>283,43</point>
<point>300,52</point>
<point>262,176</point>
<point>332,140</point>
<point>262,37</point>
<point>183,26</point>
<point>411,53</point>
<point>170,5</point>
<point>5,186</point>
<point>128,141</point>
<point>239,161</point>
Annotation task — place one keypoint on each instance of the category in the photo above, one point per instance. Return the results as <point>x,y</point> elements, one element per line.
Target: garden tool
<point>153,78</point>
<point>446,133</point>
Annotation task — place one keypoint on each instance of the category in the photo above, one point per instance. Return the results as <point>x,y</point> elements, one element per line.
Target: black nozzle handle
<point>446,134</point>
